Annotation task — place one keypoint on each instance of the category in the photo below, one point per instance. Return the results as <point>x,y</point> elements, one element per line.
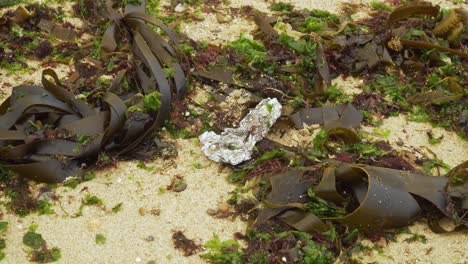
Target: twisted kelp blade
<point>117,114</point>
<point>108,42</point>
<point>457,205</point>
<point>420,8</point>
<point>144,53</point>
<point>385,197</point>
<point>263,24</point>
<point>326,189</point>
<point>50,171</point>
<point>158,46</point>
<point>428,45</point>
<point>425,97</point>
<point>35,159</point>
<point>8,119</point>
<point>457,190</point>
<point>346,116</point>
<point>303,221</point>
<point>217,73</point>
<point>152,53</point>
<point>286,188</point>
<point>322,69</point>
<point>57,31</point>
<point>371,55</point>
<point>348,135</point>
<point>48,134</point>
<point>62,94</point>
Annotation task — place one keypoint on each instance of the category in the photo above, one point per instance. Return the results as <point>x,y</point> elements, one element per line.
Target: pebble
<point>138,260</point>
<point>142,211</point>
<point>399,142</point>
<point>179,8</point>
<point>180,187</point>
<point>224,207</point>
<point>211,212</point>
<point>149,238</point>
<point>223,18</point>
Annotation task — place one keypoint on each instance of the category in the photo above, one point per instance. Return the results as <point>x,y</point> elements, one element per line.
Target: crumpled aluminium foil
<point>235,145</point>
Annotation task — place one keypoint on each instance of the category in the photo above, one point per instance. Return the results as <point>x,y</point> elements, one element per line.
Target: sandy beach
<point>142,231</point>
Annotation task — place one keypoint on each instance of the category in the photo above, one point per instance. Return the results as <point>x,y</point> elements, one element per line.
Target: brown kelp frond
<point>346,116</point>
<point>48,134</point>
<point>365,197</point>
<point>454,92</point>
<point>428,45</point>
<point>263,24</point>
<point>156,68</point>
<point>457,190</point>
<point>418,8</point>
<point>57,30</point>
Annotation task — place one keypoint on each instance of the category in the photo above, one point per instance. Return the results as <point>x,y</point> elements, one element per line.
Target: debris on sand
<point>182,243</point>
<point>235,145</point>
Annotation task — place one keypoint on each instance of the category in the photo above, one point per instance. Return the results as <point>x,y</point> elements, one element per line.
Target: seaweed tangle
<point>365,197</point>
<point>48,134</point>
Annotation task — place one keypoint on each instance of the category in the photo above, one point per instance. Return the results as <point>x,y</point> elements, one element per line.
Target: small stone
<point>142,211</point>
<point>212,212</point>
<point>138,260</point>
<point>399,142</point>
<point>179,8</point>
<point>149,238</point>
<point>180,187</point>
<point>223,18</point>
<point>224,207</point>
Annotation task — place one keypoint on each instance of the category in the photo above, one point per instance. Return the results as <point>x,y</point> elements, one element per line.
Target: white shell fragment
<point>235,145</point>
